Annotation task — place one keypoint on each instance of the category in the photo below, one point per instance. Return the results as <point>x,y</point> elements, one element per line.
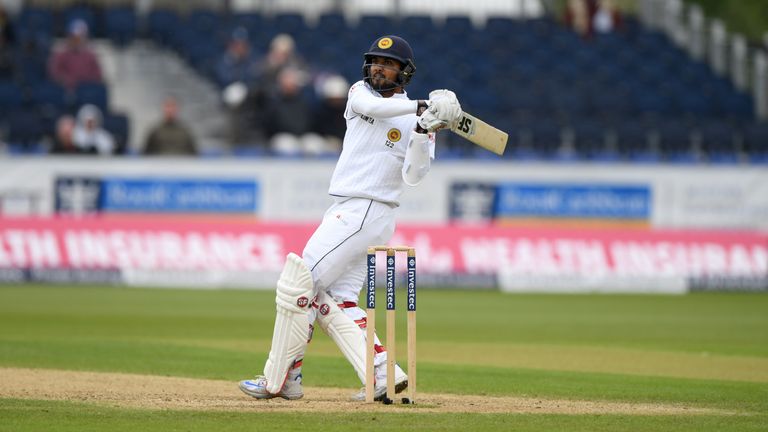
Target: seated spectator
<point>74,62</point>
<point>329,114</point>
<point>288,113</point>
<point>237,64</point>
<point>88,135</point>
<point>63,141</point>
<point>236,73</point>
<point>7,64</point>
<point>170,136</point>
<point>7,32</point>
<point>7,39</point>
<point>282,55</point>
<point>578,16</point>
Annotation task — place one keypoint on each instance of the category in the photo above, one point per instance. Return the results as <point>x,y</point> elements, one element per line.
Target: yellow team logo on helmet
<point>385,43</point>
<point>394,135</point>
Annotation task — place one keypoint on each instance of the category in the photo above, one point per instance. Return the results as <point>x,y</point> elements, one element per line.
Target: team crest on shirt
<point>393,136</point>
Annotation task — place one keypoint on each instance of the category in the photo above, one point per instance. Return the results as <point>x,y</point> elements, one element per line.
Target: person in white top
<point>389,142</point>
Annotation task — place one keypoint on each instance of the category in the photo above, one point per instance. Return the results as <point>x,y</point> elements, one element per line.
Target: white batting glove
<point>440,94</point>
<point>446,109</point>
<point>430,122</point>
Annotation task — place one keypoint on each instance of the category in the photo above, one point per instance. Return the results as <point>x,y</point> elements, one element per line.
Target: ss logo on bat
<point>465,124</point>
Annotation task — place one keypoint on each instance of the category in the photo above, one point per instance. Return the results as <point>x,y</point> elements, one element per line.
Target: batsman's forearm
<point>382,108</point>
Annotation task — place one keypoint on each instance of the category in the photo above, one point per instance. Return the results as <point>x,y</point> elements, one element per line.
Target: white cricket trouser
<point>336,256</point>
<point>337,251</point>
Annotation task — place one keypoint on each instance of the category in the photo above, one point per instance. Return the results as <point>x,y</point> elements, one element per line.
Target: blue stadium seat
<point>499,26</point>
<point>291,23</point>
<point>120,25</point>
<point>11,97</point>
<point>205,21</point>
<point>25,128</point>
<point>456,26</point>
<point>718,140</point>
<point>632,139</point>
<point>331,24</point>
<point>589,138</point>
<point>118,125</point>
<point>92,93</point>
<point>372,26</point>
<point>49,96</point>
<point>675,140</point>
<point>162,24</point>
<point>34,22</point>
<point>417,27</point>
<point>32,66</point>
<point>546,137</point>
<point>756,139</point>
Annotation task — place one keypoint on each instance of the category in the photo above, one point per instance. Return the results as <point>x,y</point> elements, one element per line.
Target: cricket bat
<point>481,133</point>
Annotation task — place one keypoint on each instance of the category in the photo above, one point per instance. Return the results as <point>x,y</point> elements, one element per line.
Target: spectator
<point>170,136</point>
<point>74,62</point>
<point>579,17</point>
<point>63,141</point>
<point>607,18</point>
<point>288,116</point>
<point>329,115</point>
<point>282,54</point>
<point>7,64</point>
<point>238,63</point>
<point>236,72</point>
<point>88,135</point>
<point>7,39</point>
<point>7,32</point>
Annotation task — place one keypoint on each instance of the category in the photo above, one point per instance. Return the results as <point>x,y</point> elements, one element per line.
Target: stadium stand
<point>631,95</point>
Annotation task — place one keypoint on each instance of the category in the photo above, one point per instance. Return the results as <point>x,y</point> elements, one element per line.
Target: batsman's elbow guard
<point>417,159</point>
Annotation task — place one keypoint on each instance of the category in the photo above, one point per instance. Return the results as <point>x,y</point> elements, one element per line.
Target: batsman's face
<point>384,72</point>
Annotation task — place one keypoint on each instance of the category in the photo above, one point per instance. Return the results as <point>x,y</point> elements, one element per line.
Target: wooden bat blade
<point>481,133</point>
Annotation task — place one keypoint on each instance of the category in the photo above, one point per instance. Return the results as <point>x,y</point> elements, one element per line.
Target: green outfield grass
<point>702,350</point>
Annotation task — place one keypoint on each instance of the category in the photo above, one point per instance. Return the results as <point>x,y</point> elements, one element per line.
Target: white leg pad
<point>289,339</point>
<point>349,337</point>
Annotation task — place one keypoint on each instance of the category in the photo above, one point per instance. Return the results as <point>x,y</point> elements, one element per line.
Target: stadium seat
<point>291,23</point>
<point>120,25</point>
<point>92,93</point>
<point>370,27</point>
<point>456,26</point>
<point>205,21</point>
<point>331,24</point>
<point>25,129</point>
<point>11,97</point>
<point>162,24</point>
<point>417,27</point>
<point>718,140</point>
<point>756,139</point>
<point>47,95</point>
<point>34,22</point>
<point>118,125</point>
<point>589,138</point>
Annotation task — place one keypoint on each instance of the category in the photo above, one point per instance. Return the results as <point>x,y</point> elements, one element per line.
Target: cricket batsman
<point>389,142</point>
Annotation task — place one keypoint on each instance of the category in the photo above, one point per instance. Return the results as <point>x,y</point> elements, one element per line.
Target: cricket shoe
<point>379,391</point>
<point>257,388</point>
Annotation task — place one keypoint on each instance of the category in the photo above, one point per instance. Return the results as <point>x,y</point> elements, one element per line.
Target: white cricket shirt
<point>378,131</point>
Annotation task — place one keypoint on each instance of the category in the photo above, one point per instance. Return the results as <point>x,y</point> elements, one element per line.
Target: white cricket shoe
<point>257,388</point>
<point>380,390</point>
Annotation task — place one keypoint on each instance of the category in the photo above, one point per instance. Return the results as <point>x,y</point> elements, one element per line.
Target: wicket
<point>371,323</point>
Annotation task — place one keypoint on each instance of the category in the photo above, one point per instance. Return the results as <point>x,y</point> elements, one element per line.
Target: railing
<point>708,40</point>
